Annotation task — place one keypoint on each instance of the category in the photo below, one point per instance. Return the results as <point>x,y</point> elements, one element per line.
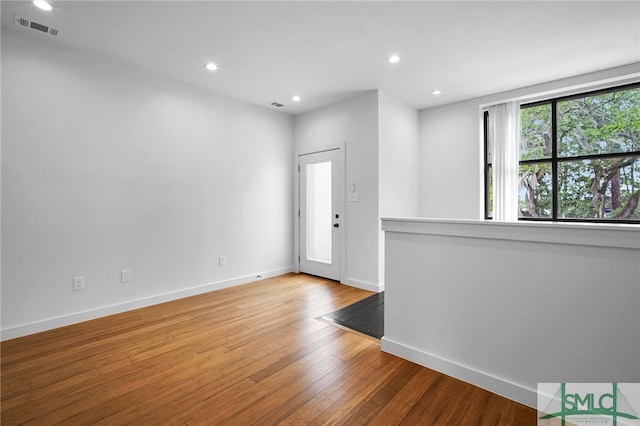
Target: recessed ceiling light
<point>296,98</point>
<point>41,4</point>
<point>436,92</point>
<point>394,59</point>
<point>211,66</point>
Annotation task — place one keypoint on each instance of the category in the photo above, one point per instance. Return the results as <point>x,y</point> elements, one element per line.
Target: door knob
<point>336,225</point>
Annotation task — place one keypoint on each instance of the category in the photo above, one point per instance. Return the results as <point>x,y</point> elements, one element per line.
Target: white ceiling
<point>328,51</point>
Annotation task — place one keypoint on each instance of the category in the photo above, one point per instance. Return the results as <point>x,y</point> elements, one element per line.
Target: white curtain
<point>504,121</point>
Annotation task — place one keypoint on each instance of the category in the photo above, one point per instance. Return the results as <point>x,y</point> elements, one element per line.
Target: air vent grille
<point>24,22</point>
<point>277,105</point>
<point>39,27</point>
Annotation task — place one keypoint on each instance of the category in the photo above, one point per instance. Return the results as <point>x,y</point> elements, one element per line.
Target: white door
<point>321,212</point>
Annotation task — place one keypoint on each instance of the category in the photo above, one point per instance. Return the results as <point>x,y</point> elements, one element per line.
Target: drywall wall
<point>106,168</point>
<point>508,305</point>
<point>380,134</point>
<point>398,157</point>
<point>449,154</point>
<point>354,123</point>
<point>397,162</point>
<point>450,148</point>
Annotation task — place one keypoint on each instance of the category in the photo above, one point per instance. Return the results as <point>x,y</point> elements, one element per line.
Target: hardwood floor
<point>248,355</point>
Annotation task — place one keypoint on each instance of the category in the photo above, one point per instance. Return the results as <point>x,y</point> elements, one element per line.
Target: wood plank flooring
<point>249,355</point>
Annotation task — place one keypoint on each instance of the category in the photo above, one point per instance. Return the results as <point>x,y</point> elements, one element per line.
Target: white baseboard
<point>363,285</point>
<point>76,317</point>
<point>467,374</point>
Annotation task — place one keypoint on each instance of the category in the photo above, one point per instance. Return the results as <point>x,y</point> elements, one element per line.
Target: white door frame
<point>342,149</point>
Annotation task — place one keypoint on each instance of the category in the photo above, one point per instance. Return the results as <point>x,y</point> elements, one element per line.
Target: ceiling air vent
<point>276,104</point>
<point>24,22</point>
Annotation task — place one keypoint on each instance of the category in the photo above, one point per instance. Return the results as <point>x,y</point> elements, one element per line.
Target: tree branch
<point>629,207</point>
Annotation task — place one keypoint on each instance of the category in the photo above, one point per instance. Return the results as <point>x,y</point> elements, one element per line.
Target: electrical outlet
<point>125,275</point>
<point>222,260</point>
<point>78,283</point>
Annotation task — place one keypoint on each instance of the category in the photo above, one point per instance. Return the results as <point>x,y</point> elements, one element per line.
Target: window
<point>579,158</point>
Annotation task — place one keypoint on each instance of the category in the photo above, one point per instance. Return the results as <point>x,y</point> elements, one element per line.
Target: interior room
<point>161,155</point>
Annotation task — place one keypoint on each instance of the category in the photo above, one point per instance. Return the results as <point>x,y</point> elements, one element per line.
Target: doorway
<point>321,212</point>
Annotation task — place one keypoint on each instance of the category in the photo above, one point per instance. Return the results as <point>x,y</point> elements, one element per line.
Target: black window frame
<point>554,159</point>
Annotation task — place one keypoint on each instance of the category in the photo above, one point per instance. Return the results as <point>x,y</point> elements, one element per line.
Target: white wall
<point>449,165</point>
<point>505,306</point>
<point>398,157</point>
<point>381,138</point>
<point>355,122</point>
<point>450,158</point>
<point>397,162</point>
<point>105,167</point>
<point>466,305</point>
